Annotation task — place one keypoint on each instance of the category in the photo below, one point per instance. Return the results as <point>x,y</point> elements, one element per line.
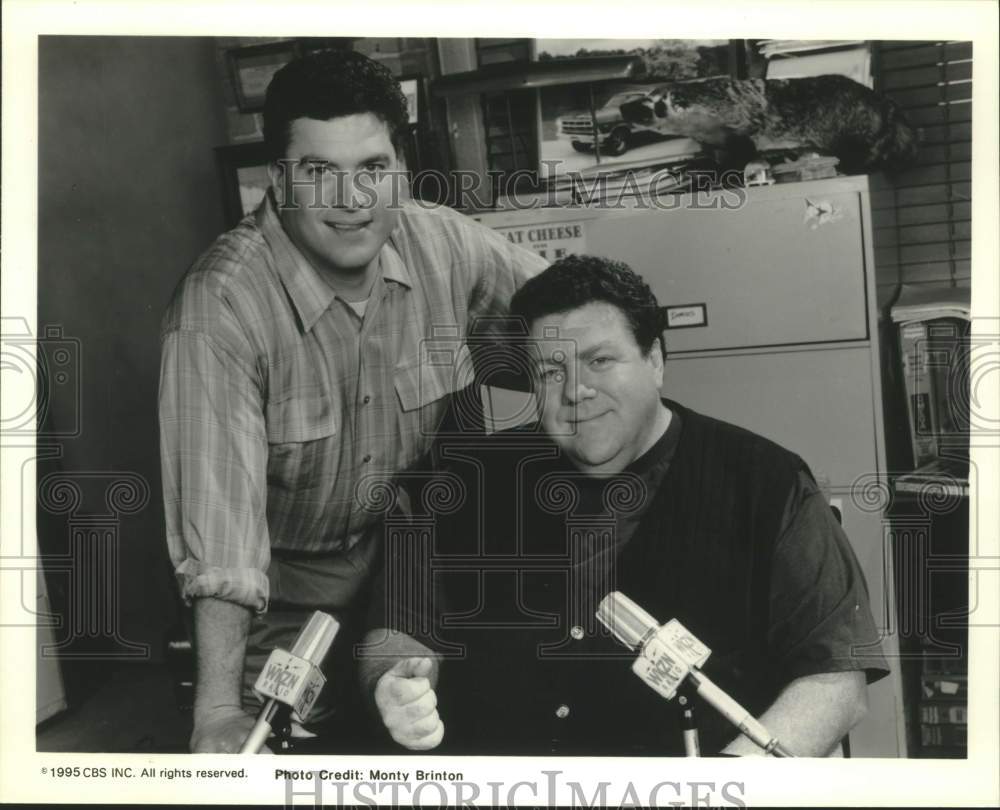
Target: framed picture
<point>252,67</point>
<point>243,170</point>
<point>413,89</point>
<point>582,128</point>
<point>568,132</point>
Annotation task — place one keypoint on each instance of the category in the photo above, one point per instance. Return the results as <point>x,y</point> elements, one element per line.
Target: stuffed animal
<point>830,114</point>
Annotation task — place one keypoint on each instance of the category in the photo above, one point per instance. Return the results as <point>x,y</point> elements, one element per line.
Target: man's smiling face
<point>339,211</point>
<point>598,392</point>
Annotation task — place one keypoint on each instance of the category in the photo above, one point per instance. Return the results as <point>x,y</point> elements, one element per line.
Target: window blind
<point>928,234</point>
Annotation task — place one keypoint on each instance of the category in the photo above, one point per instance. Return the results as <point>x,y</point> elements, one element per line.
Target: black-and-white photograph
<point>577,115</point>
<point>387,405</point>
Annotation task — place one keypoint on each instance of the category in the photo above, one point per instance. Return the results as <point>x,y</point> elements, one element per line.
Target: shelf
<point>526,75</point>
<point>942,477</point>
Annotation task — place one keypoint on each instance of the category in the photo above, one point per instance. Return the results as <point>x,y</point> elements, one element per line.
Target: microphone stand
<point>278,719</point>
<point>669,661</point>
<point>689,726</point>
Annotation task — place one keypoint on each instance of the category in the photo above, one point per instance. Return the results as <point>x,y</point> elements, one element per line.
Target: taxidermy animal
<point>833,115</point>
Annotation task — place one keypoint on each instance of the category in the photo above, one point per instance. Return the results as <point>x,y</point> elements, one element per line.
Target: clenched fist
<point>408,705</point>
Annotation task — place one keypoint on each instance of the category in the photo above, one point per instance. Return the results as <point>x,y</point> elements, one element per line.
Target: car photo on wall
<point>567,132</point>
<point>567,142</point>
<point>615,134</point>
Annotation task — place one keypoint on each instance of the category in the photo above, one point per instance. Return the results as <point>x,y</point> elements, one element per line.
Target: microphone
<point>670,654</point>
<point>291,681</point>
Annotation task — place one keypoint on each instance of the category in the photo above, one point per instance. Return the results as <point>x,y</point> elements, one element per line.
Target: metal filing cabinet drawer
<point>816,403</point>
<point>811,264</point>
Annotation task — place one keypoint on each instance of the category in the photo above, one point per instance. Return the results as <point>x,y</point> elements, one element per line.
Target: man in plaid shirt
<point>294,370</point>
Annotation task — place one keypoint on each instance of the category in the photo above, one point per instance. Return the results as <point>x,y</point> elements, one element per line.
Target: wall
<point>403,56</point>
<point>427,146</point>
<point>128,197</point>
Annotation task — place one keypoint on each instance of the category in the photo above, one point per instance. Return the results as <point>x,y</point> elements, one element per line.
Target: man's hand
<point>222,730</point>
<point>408,705</point>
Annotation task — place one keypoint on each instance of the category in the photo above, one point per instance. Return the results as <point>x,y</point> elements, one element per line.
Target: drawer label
<point>685,316</point>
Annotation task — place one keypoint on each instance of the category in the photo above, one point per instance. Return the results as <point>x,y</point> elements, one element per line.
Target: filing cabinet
<point>776,326</point>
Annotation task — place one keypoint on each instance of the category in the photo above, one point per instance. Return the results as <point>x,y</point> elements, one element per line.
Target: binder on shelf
<point>933,322</point>
<point>950,736</point>
<point>937,714</point>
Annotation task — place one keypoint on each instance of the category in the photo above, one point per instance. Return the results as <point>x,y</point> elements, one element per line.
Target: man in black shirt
<point>692,518</point>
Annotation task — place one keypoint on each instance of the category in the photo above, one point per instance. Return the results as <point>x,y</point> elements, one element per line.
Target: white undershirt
<point>359,306</point>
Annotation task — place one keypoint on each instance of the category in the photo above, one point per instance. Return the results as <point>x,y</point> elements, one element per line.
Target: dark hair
<point>329,84</point>
<point>575,281</point>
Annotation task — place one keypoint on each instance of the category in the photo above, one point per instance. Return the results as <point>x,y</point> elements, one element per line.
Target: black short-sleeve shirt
<point>507,586</point>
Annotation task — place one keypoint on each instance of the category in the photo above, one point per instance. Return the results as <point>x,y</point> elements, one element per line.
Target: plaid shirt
<point>277,402</point>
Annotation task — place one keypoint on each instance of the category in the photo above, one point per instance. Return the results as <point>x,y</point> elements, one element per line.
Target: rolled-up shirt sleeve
<point>213,451</point>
